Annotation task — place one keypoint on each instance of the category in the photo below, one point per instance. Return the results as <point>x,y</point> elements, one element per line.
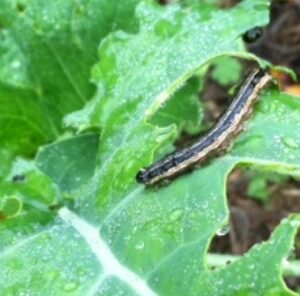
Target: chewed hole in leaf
<point>182,108</point>
<point>258,201</point>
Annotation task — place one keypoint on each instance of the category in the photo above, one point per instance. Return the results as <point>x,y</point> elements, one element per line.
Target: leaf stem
<point>289,268</point>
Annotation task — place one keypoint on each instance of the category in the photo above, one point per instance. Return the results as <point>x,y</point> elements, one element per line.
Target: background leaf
<point>46,53</point>
<point>70,162</point>
<point>226,70</point>
<point>184,109</point>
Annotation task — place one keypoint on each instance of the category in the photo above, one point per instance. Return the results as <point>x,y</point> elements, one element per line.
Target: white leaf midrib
<point>108,261</point>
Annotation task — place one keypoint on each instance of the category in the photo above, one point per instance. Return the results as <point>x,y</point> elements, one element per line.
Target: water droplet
<point>52,275</point>
<point>165,29</point>
<point>220,282</point>
<point>140,246</point>
<point>223,230</point>
<point>290,142</point>
<point>176,214</point>
<point>16,64</point>
<point>204,204</point>
<point>70,287</point>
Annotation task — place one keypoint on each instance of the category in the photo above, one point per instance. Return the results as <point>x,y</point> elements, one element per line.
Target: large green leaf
<point>46,53</point>
<point>122,238</point>
<point>137,73</point>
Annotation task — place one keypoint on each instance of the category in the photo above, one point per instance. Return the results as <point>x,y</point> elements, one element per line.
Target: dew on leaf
<point>292,156</point>
<point>204,204</point>
<point>140,246</point>
<point>165,29</point>
<point>223,230</point>
<point>52,275</point>
<point>290,142</point>
<point>127,237</point>
<point>176,214</point>
<point>70,286</point>
<point>16,64</point>
<point>286,150</point>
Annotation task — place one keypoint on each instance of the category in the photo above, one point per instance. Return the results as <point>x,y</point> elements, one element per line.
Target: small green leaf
<point>35,191</point>
<point>183,109</point>
<point>70,162</point>
<point>259,186</point>
<point>227,70</point>
<point>11,206</point>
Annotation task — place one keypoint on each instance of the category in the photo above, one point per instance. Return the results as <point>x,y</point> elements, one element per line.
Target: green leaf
<point>227,70</point>
<point>11,206</point>
<point>30,186</point>
<point>260,183</point>
<point>258,188</point>
<point>46,53</point>
<point>122,238</point>
<point>183,109</point>
<point>6,158</point>
<point>245,277</point>
<point>44,256</point>
<point>170,46</point>
<point>273,138</point>
<point>70,162</point>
